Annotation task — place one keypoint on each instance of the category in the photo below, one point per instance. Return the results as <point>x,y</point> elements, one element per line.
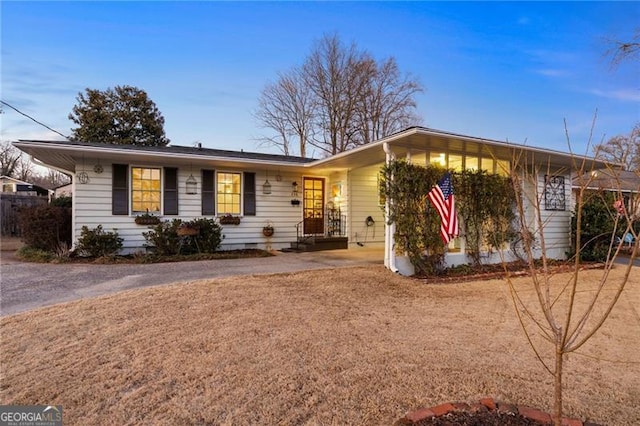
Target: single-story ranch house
<point>334,200</point>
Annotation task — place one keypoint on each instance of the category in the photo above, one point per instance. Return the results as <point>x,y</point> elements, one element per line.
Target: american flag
<point>443,200</point>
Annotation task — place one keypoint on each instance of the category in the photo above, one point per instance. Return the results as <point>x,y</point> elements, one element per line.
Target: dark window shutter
<point>249,194</point>
<point>170,190</point>
<point>208,193</point>
<point>120,190</point>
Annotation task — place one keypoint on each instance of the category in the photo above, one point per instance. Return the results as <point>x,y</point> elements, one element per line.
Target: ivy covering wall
<point>485,205</point>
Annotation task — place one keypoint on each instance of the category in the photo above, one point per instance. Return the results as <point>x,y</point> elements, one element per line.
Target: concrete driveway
<point>26,286</point>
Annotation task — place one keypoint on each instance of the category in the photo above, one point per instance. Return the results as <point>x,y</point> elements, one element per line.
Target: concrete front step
<point>320,243</point>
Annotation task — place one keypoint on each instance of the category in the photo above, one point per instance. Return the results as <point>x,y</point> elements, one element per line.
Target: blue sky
<point>505,71</point>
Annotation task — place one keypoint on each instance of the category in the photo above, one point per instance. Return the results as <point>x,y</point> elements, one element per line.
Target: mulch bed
<point>463,273</point>
<point>154,258</point>
<point>486,412</point>
<point>486,418</point>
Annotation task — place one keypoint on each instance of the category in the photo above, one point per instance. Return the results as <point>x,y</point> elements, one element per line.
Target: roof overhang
<point>418,139</point>
<point>66,157</point>
<point>609,180</point>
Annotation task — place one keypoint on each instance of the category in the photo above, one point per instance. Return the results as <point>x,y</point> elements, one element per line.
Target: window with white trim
<point>146,189</point>
<point>229,192</point>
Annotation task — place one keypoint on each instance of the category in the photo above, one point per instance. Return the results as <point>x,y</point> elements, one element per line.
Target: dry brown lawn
<point>344,346</point>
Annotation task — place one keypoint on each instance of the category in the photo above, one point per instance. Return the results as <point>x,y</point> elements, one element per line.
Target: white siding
<point>92,206</point>
<point>342,179</point>
<point>363,202</point>
<point>556,223</point>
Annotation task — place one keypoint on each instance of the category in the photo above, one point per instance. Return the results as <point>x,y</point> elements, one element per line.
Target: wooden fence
<point>10,205</point>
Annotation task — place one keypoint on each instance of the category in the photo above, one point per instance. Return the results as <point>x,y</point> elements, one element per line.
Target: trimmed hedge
<point>46,227</point>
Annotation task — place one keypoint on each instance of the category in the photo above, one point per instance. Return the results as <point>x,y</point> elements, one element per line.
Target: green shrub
<point>597,225</point>
<point>210,236</point>
<point>45,227</point>
<point>62,201</point>
<point>31,254</point>
<point>165,241</point>
<point>98,243</point>
<point>484,203</point>
<point>417,225</point>
<point>164,238</point>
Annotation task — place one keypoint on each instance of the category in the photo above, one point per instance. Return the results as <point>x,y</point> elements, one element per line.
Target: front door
<point>313,205</point>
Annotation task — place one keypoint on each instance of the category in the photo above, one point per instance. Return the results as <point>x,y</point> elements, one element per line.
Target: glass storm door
<point>313,205</point>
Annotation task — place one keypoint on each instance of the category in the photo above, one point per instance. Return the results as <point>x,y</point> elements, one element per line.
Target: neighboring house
<point>65,190</point>
<point>332,198</point>
<point>18,187</point>
<point>624,183</point>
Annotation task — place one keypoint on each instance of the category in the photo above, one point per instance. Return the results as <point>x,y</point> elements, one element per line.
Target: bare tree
<point>621,51</point>
<point>14,164</point>
<point>623,149</point>
<point>9,159</point>
<point>388,102</point>
<point>340,98</point>
<point>50,179</point>
<point>333,72</point>
<point>286,106</point>
<point>24,170</point>
<point>567,312</point>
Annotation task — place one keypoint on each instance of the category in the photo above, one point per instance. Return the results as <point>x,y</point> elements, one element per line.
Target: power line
<point>33,119</point>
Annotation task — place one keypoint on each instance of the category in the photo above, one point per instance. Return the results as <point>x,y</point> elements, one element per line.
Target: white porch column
<point>389,229</point>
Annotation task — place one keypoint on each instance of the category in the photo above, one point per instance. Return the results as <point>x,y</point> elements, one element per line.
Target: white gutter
<point>389,229</point>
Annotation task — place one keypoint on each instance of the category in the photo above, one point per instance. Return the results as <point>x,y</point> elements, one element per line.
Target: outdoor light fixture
<point>294,194</point>
<point>266,186</point>
<point>192,185</point>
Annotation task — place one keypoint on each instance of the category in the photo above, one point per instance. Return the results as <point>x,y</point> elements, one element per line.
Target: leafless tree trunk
<point>24,170</point>
<point>335,75</point>
<point>340,98</point>
<point>624,50</point>
<point>50,179</point>
<point>14,164</point>
<point>9,159</point>
<point>388,103</point>
<point>566,315</point>
<point>623,149</point>
<point>287,107</point>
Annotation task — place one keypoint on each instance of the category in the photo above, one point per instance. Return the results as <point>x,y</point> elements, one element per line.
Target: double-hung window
<point>146,189</point>
<point>229,191</point>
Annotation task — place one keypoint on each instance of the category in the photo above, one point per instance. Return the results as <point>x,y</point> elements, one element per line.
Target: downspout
<point>389,229</point>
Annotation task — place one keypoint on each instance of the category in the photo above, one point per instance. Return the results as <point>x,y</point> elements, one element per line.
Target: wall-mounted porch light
<point>192,185</point>
<point>266,186</point>
<point>294,194</point>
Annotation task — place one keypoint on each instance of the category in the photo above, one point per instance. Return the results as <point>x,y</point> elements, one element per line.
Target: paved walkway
<point>26,286</point>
